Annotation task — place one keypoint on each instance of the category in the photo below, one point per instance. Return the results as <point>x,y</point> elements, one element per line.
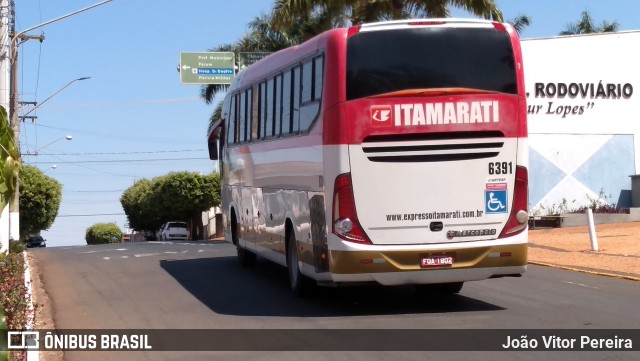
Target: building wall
<point>583,102</point>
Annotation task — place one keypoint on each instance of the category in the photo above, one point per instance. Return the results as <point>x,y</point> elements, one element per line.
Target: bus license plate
<point>441,260</point>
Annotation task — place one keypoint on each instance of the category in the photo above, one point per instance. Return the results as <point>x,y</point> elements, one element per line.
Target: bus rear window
<point>380,62</point>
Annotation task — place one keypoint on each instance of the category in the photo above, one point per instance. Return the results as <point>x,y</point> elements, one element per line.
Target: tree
<point>520,22</point>
<point>344,12</point>
<point>586,26</point>
<point>9,161</point>
<point>180,196</point>
<point>184,196</point>
<point>9,165</point>
<point>291,22</point>
<point>136,202</point>
<point>40,198</point>
<point>263,36</point>
<point>103,233</point>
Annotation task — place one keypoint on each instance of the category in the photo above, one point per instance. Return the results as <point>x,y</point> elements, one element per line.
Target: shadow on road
<point>226,288</point>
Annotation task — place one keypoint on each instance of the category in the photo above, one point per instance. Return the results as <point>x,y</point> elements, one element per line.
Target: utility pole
<point>14,122</point>
<point>6,18</point>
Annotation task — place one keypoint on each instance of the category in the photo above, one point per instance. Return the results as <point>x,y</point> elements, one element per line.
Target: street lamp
<point>54,94</point>
<point>35,152</point>
<point>50,168</point>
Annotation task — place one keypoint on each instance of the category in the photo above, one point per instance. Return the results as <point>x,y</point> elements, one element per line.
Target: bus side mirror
<point>213,150</point>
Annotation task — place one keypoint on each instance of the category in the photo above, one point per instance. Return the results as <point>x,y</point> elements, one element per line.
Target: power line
<point>91,215</point>
<point>93,202</point>
<point>94,169</point>
<point>111,191</point>
<point>125,104</point>
<point>96,175</point>
<point>124,153</point>
<point>137,139</point>
<point>123,160</point>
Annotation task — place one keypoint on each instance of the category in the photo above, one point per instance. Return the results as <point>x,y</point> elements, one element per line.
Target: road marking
<point>200,250</point>
<point>183,252</point>
<point>105,250</point>
<point>146,254</point>
<point>580,284</point>
<point>124,256</point>
<point>171,252</point>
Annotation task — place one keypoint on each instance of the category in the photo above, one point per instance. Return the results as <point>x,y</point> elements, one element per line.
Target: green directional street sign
<point>246,59</point>
<point>207,68</point>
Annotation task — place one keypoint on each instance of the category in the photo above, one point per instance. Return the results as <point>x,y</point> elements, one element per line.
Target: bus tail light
<point>345,220</point>
<point>353,31</point>
<point>518,220</point>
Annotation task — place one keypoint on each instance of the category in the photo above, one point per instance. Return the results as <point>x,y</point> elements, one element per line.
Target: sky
<point>133,119</point>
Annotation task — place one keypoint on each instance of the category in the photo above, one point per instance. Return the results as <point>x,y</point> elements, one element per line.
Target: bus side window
<point>232,122</point>
<point>262,112</point>
<point>307,81</point>
<point>295,101</point>
<point>249,113</point>
<point>255,114</point>
<point>310,100</point>
<point>277,114</point>
<point>269,109</point>
<point>242,118</point>
<point>237,117</point>
<point>286,103</point>
<point>317,77</point>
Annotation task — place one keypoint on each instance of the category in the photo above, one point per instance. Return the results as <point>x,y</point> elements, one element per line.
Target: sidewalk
<point>570,248</point>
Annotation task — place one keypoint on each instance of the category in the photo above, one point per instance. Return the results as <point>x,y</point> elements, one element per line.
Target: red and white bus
<point>392,153</point>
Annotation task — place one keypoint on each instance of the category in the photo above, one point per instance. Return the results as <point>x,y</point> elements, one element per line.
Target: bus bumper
<point>400,267</point>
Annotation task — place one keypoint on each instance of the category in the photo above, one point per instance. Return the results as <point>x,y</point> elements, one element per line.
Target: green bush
<point>13,290</point>
<point>103,233</point>
<point>40,198</point>
<point>17,246</point>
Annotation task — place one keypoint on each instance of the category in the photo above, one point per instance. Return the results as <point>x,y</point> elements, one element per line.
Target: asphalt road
<point>165,285</point>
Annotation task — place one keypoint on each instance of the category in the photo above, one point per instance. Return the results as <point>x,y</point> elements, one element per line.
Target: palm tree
<point>353,12</point>
<point>294,21</point>
<point>586,26</point>
<point>520,22</point>
<point>264,37</point>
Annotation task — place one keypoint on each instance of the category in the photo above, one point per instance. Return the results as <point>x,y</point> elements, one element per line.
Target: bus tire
<point>245,257</point>
<point>299,283</point>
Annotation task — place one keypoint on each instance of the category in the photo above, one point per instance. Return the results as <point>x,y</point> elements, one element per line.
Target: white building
<point>583,100</point>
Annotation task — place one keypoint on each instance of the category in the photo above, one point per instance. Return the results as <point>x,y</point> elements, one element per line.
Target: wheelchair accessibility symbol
<point>495,201</point>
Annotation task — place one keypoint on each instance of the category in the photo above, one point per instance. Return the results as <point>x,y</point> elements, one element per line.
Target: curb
<point>596,273</point>
<point>32,355</point>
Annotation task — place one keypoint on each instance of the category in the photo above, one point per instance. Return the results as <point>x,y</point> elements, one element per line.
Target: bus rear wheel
<point>245,257</point>
<point>300,285</point>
